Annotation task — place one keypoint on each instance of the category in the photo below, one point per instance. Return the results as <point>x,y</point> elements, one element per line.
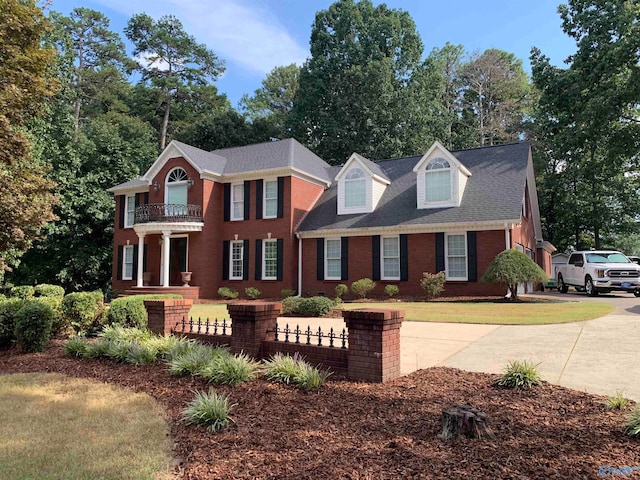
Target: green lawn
<point>499,313</point>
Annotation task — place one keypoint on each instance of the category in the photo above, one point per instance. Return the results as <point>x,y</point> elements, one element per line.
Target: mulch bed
<point>362,431</point>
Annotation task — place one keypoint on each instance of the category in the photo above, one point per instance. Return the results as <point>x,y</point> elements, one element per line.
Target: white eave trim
<point>356,158</point>
<point>172,151</point>
<point>446,153</point>
<point>130,189</point>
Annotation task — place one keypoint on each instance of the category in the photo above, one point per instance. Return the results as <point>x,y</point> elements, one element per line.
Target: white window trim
<point>446,257</point>
<point>351,181</point>
<point>427,172</point>
<point>128,199</point>
<point>231,244</point>
<point>168,184</point>
<point>124,262</point>
<point>264,198</point>
<point>382,257</point>
<point>233,202</point>
<point>264,258</point>
<point>326,259</point>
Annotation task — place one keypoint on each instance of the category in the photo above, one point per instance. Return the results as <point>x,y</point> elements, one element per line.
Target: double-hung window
<point>355,188</point>
<point>456,256</point>
<point>127,262</point>
<point>390,258</point>
<point>130,209</point>
<point>270,259</point>
<point>437,181</point>
<point>237,201</point>
<point>270,199</point>
<point>236,260</point>
<point>333,262</point>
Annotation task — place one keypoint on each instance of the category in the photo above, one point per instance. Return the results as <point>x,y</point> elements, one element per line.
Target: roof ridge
<point>252,144</point>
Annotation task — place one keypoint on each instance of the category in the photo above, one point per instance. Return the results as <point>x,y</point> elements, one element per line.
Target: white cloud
<point>238,31</point>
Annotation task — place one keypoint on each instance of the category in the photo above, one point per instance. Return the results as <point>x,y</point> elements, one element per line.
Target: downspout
<point>507,238</point>
<point>299,265</point>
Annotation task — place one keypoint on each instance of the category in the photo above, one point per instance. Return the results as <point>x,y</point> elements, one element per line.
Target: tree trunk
<point>464,421</point>
<point>165,123</point>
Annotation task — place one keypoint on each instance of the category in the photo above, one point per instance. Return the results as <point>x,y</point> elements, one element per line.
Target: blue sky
<point>253,36</point>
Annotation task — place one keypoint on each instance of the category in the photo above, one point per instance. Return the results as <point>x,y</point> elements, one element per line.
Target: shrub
<point>289,370</point>
<point>519,375</point>
<point>9,309</point>
<point>616,402</point>
<point>432,284</point>
<point>46,290</point>
<point>632,425</point>
<point>209,409</point>
<point>363,287</point>
<point>511,267</point>
<point>33,326</point>
<point>83,310</point>
<point>118,333</point>
<point>252,292</point>
<point>194,359</point>
<point>141,353</point>
<point>310,378</point>
<point>130,311</point>
<point>22,291</point>
<point>98,349</point>
<point>227,293</point>
<point>287,292</point>
<point>230,370</point>
<point>76,347</point>
<point>311,307</point>
<point>341,290</point>
<point>60,324</point>
<point>391,290</point>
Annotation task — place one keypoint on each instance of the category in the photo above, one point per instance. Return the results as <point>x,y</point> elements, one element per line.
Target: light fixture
<point>156,186</point>
<point>190,182</point>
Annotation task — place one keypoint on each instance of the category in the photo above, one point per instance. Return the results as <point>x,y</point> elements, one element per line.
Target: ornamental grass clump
<point>76,347</point>
<point>191,361</point>
<point>141,353</point>
<point>632,425</point>
<point>293,370</point>
<point>519,374</point>
<point>230,369</point>
<point>209,409</point>
<point>616,402</point>
<point>310,378</point>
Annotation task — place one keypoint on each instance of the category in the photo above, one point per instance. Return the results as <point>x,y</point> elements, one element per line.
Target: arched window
<point>355,188</point>
<point>438,181</point>
<point>176,187</point>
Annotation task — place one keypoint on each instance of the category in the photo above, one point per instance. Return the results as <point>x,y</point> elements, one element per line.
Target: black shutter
<point>258,268</point>
<point>245,261</point>
<point>138,195</point>
<point>144,258</point>
<point>320,258</point>
<point>344,258</point>
<point>227,202</point>
<point>225,260</point>
<point>247,199</point>
<point>439,252</point>
<point>134,274</point>
<point>119,264</point>
<point>280,197</point>
<point>146,198</point>
<point>375,249</point>
<point>280,257</point>
<point>404,257</point>
<point>122,199</point>
<point>259,188</point>
<point>472,257</point>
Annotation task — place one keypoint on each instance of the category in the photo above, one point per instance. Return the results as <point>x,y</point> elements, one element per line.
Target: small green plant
<point>281,368</point>
<point>309,307</point>
<point>47,290</point>
<point>227,293</point>
<point>432,284</point>
<point>209,409</point>
<point>230,370</point>
<point>310,378</point>
<point>22,291</point>
<point>391,290</point>
<point>616,402</point>
<point>33,326</point>
<point>363,287</point>
<point>76,347</point>
<point>632,424</point>
<point>192,360</point>
<point>519,374</point>
<point>141,353</point>
<point>287,292</point>
<point>252,292</point>
<point>341,290</point>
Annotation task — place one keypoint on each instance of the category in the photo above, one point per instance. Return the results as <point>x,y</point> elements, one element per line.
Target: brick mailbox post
<point>374,344</point>
<point>164,314</point>
<point>250,322</point>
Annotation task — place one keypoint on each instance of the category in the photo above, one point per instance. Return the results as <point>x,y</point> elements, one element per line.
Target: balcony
<point>168,213</point>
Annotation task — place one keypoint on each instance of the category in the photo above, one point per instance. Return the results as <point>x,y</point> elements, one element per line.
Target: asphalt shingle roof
<point>136,182</point>
<point>207,161</point>
<point>493,192</point>
<point>374,167</point>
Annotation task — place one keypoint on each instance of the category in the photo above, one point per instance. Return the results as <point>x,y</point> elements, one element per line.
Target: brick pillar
<point>165,313</point>
<point>249,324</point>
<point>374,344</point>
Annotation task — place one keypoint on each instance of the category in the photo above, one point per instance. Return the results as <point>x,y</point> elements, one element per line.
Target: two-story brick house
<point>274,216</point>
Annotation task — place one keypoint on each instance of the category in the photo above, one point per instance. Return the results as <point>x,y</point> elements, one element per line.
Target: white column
<point>166,241</point>
<point>507,238</point>
<point>140,258</point>
<point>299,267</point>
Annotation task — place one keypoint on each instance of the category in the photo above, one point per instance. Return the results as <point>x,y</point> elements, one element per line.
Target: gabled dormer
<point>441,179</point>
<point>361,183</point>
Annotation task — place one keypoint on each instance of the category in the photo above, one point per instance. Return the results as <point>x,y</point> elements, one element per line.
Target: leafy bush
<point>9,309</point>
<point>130,311</point>
<point>511,267</point>
<point>83,310</point>
<point>519,375</point>
<point>252,292</point>
<point>77,347</point>
<point>632,425</point>
<point>60,323</point>
<point>209,409</point>
<point>391,290</point>
<point>141,353</point>
<point>289,370</point>
<point>310,307</point>
<point>22,291</point>
<point>432,284</point>
<point>47,290</point>
<point>33,326</point>
<point>363,287</point>
<point>287,292</point>
<point>341,290</point>
<point>230,370</point>
<point>227,293</point>
<point>616,402</point>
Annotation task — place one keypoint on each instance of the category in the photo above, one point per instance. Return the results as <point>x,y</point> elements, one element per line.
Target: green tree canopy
<point>511,267</point>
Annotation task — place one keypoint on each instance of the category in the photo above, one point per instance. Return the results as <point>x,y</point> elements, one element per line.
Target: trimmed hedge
<point>33,326</point>
<point>310,307</point>
<point>47,290</point>
<point>22,291</point>
<point>9,309</point>
<point>130,311</point>
<point>83,310</point>
<point>60,324</point>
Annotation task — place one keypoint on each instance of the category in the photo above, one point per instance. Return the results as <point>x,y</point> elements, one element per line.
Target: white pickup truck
<point>596,271</point>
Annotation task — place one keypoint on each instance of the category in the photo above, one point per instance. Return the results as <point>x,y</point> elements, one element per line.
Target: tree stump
<point>466,421</point>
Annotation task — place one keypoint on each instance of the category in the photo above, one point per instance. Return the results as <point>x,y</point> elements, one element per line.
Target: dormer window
<point>355,188</point>
<point>438,180</point>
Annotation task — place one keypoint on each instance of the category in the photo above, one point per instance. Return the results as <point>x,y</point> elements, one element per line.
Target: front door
<point>177,259</point>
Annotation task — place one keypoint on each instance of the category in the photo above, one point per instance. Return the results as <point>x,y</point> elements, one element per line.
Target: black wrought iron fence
<point>296,335</point>
<point>206,327</point>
